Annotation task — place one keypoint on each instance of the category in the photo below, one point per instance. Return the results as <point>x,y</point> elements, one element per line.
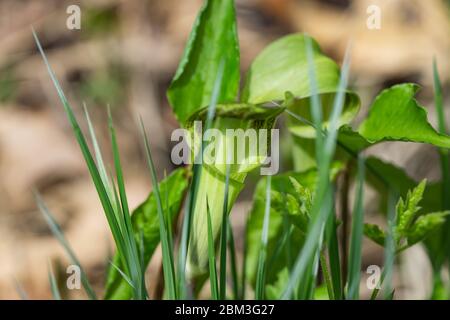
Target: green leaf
<point>275,290</point>
<point>283,67</point>
<point>396,115</point>
<point>407,210</point>
<point>213,40</point>
<point>424,225</point>
<point>145,219</point>
<point>374,233</point>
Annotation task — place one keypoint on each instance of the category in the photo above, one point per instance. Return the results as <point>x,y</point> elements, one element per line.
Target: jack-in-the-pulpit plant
<point>293,229</point>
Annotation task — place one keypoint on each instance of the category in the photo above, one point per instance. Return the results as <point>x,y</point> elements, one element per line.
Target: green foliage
<point>291,196</point>
<point>396,115</point>
<point>145,221</point>
<point>411,226</point>
<point>292,224</point>
<point>213,40</point>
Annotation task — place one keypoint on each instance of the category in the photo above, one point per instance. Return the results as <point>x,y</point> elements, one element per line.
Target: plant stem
<point>344,201</point>
<point>326,275</point>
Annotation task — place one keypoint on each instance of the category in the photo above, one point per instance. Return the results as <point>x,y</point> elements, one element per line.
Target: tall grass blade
<point>224,238</point>
<point>334,258</point>
<point>53,283</point>
<point>20,290</point>
<point>233,261</point>
<point>124,276</point>
<point>59,235</point>
<point>444,158</point>
<point>354,263</point>
<point>327,276</point>
<point>98,156</point>
<point>212,258</point>
<point>133,255</point>
<point>261,271</point>
<point>389,251</point>
<point>168,262</point>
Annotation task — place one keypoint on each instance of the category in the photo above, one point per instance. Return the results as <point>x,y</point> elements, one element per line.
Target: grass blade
<point>212,258</point>
<point>261,271</point>
<point>334,258</point>
<point>59,235</point>
<point>444,158</point>
<point>124,276</point>
<point>53,283</point>
<point>389,251</point>
<point>354,263</point>
<point>326,275</point>
<point>20,290</point>
<point>133,256</point>
<point>224,238</point>
<point>168,263</point>
<point>233,261</point>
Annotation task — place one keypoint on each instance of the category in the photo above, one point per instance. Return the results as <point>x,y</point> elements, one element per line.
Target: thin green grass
<point>212,258</point>
<point>224,239</point>
<point>262,261</point>
<point>168,259</point>
<point>59,235</point>
<point>53,283</point>
<point>233,261</point>
<point>354,261</point>
<point>118,218</point>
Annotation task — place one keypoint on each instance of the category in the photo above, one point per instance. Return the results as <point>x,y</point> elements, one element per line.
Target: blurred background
<point>124,56</point>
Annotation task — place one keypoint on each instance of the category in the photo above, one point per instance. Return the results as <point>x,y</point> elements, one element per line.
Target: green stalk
<point>212,259</point>
<point>354,271</point>
<point>327,276</point>
<point>53,283</point>
<point>233,261</point>
<point>168,259</point>
<point>224,239</point>
<point>445,167</point>
<point>334,258</point>
<point>261,271</point>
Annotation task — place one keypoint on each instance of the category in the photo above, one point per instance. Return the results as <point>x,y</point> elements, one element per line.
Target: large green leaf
<point>283,67</point>
<point>396,115</point>
<point>145,221</point>
<point>213,40</point>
